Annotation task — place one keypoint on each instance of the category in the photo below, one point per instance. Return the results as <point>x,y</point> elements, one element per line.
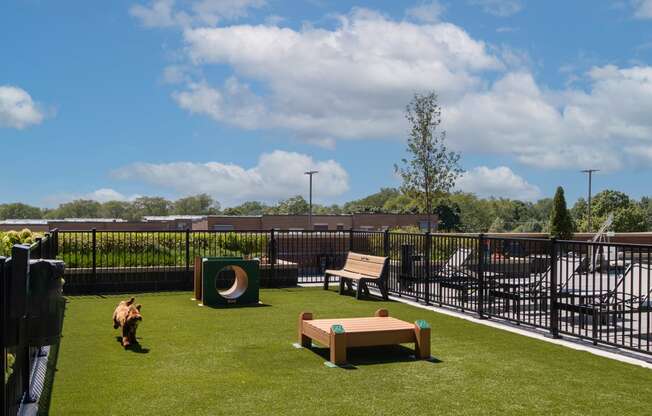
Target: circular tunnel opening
<point>231,282</point>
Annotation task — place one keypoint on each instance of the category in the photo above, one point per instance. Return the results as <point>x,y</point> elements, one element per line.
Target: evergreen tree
<point>561,223</point>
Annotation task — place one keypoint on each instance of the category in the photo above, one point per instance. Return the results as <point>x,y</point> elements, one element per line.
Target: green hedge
<point>154,249</point>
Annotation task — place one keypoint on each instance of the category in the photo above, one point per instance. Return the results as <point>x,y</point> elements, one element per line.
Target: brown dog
<point>127,315</point>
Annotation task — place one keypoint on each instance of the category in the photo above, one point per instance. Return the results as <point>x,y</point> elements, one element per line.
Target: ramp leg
<point>422,344</point>
<point>338,345</point>
<point>304,341</point>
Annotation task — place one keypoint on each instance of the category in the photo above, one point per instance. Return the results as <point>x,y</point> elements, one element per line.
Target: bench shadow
<point>386,354</point>
<point>137,348</point>
<point>372,297</point>
<point>236,306</point>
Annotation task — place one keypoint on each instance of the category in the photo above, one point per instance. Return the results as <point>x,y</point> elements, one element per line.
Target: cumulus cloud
<point>17,109</point>
<point>167,13</point>
<point>351,82</point>
<point>501,8</point>
<point>642,9</point>
<point>108,194</point>
<point>497,182</point>
<point>277,175</point>
<point>426,12</point>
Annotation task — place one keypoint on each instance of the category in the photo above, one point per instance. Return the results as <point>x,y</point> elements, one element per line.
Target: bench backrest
<point>372,266</point>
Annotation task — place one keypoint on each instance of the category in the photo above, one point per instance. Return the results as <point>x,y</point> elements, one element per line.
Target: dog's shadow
<point>137,348</point>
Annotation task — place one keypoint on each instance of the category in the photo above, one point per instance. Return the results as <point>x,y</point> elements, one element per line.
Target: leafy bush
<point>11,359</point>
<point>9,238</point>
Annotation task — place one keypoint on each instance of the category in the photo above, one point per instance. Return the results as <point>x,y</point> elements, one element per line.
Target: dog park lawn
<point>238,361</point>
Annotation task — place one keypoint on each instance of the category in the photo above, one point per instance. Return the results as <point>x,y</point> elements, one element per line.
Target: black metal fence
<point>27,325</point>
<point>596,291</point>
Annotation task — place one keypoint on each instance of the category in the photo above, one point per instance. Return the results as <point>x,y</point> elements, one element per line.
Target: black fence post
<point>350,239</point>
<point>187,249</point>
<point>3,328</point>
<point>55,243</point>
<point>47,249</point>
<point>38,251</point>
<point>272,254</point>
<point>554,310</point>
<point>94,254</point>
<point>481,267</point>
<point>19,274</point>
<point>386,244</point>
<point>428,265</point>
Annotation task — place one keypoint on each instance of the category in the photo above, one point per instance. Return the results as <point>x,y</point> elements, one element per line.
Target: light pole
<point>590,173</point>
<point>310,173</point>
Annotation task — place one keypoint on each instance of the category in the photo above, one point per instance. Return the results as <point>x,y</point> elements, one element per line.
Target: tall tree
<point>19,210</point>
<point>374,201</point>
<point>201,204</point>
<point>79,208</point>
<point>431,170</point>
<point>117,209</point>
<point>561,223</point>
<point>151,206</point>
<point>296,205</point>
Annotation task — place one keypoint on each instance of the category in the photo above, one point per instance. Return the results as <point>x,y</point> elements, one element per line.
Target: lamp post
<point>590,173</point>
<point>310,173</point>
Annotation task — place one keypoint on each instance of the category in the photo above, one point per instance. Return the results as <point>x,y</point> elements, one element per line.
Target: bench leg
<point>349,284</point>
<point>326,281</point>
<point>383,290</point>
<point>304,341</point>
<point>338,348</point>
<point>422,344</point>
<point>342,285</point>
<point>365,287</point>
<point>358,292</point>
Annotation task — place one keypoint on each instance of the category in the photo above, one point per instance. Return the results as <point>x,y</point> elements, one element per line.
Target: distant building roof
<point>88,220</point>
<point>173,217</point>
<point>24,221</point>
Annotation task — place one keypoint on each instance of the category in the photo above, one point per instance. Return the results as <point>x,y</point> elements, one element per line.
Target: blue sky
<point>238,97</point>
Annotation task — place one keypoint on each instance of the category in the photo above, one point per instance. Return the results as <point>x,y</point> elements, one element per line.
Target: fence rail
<point>596,291</point>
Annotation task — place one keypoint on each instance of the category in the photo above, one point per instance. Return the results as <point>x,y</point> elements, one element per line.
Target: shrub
<point>561,223</point>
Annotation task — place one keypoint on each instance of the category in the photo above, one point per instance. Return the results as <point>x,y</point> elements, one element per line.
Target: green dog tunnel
<point>228,281</point>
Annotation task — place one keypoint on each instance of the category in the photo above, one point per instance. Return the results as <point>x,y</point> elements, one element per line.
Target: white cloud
<point>277,175</point>
<point>559,129</point>
<point>353,81</point>
<point>108,194</point>
<point>642,9</point>
<point>167,13</point>
<point>175,74</point>
<point>426,12</point>
<point>501,8</point>
<point>17,109</point>
<point>498,182</point>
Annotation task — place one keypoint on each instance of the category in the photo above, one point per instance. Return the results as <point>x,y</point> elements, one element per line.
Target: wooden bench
<point>339,334</point>
<point>363,269</point>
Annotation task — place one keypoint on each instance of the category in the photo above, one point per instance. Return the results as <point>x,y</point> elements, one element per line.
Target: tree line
<point>456,211</point>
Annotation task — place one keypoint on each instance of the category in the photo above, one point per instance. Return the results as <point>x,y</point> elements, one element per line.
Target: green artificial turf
<point>240,361</point>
